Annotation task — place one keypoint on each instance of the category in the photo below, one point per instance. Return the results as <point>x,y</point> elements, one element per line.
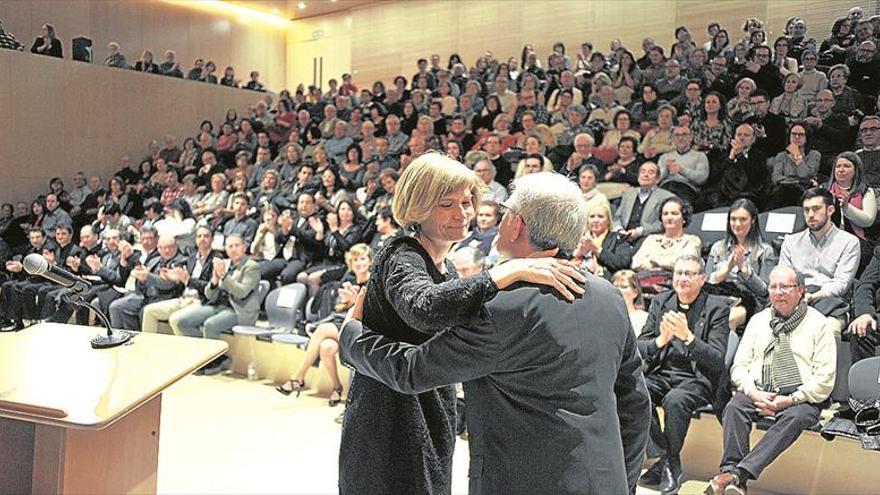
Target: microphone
<point>36,264</point>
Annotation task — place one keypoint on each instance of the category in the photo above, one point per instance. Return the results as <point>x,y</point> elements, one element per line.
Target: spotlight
<point>301,5</point>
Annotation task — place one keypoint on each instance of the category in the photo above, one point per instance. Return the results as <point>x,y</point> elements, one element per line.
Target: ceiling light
<point>301,5</point>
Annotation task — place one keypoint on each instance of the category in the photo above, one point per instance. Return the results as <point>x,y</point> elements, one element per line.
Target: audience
<point>297,184</point>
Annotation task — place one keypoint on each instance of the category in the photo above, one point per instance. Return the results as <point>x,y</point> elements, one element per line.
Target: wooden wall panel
<point>388,37</point>
<point>62,116</point>
<point>145,24</point>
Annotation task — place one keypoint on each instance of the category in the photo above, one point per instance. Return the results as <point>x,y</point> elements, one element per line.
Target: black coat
<point>555,395</point>
<point>706,353</point>
<point>394,442</point>
<point>865,296</point>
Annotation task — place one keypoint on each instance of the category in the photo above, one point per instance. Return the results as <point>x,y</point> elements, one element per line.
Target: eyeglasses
<point>686,274</point>
<point>504,208</point>
<point>782,288</point>
<point>866,130</point>
<point>799,134</point>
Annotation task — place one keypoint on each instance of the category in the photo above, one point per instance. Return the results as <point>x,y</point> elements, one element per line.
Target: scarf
<point>780,370</point>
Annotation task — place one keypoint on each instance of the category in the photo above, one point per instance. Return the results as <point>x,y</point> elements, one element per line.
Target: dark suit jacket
<point>556,398</point>
<point>650,221</point>
<point>709,347</point>
<point>199,283</point>
<point>865,295</point>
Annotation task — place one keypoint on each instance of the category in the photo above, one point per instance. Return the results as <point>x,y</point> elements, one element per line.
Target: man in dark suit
<point>556,397</point>
<point>639,212</point>
<point>683,343</point>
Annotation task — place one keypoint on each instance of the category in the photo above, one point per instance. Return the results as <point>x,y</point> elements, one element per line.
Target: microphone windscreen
<point>35,264</point>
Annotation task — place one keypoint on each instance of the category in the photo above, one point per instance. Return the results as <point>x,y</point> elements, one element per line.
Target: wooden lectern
<point>78,420</point>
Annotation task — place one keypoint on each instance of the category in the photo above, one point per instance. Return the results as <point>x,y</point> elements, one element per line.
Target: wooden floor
<point>224,434</point>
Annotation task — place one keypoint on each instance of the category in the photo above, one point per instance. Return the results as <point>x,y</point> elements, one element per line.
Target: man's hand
<point>666,334</point>
<point>674,167</point>
<point>13,266</point>
<point>73,262</point>
<point>763,401</point>
<point>862,325</point>
<point>678,325</point>
<point>94,262</point>
<point>49,255</point>
<point>125,249</point>
<point>140,273</point>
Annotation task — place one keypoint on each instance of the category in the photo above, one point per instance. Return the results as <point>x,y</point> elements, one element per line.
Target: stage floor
<point>224,434</point>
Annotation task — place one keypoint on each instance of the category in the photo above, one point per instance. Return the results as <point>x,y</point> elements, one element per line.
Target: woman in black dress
<point>397,443</point>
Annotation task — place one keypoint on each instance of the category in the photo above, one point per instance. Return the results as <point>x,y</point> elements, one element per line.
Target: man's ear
<point>519,228</point>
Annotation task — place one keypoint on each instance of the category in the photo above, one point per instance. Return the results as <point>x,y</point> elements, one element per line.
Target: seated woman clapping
<point>602,251</point>
<point>324,343</point>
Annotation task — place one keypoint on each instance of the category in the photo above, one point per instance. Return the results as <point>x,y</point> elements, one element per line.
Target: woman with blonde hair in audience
<point>264,245</point>
<point>739,108</point>
<point>661,251</point>
<point>425,129</point>
<point>790,104</point>
<point>602,251</point>
<point>324,342</point>
<point>740,264</point>
<point>628,285</point>
<point>413,294</point>
<point>659,139</point>
<point>213,199</point>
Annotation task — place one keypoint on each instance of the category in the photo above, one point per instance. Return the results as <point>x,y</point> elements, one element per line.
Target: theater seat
<point>781,221</point>
<point>864,379</point>
<point>710,226</point>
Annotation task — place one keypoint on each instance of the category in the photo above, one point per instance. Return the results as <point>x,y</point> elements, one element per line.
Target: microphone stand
<point>74,297</point>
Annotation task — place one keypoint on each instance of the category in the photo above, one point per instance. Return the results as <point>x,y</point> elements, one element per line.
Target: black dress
<point>391,442</point>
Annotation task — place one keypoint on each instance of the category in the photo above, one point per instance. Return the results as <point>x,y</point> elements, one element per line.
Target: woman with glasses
<point>812,80</point>
<point>739,265</point>
<point>793,170</point>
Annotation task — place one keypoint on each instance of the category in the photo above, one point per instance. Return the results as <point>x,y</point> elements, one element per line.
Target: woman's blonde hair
<point>604,205</point>
<point>356,251</point>
<point>428,178</point>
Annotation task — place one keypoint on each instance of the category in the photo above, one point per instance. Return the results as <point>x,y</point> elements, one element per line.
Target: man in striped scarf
<point>784,368</point>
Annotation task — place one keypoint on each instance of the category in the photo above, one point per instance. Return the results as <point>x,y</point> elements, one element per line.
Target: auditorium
<point>440,246</point>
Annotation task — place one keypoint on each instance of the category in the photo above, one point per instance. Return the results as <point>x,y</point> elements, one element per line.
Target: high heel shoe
<point>338,393</point>
<point>295,386</point>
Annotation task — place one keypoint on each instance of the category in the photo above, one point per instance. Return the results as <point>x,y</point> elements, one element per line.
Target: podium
<point>78,420</point>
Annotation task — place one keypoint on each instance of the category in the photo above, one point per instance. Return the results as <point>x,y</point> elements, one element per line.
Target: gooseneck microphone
<point>36,264</point>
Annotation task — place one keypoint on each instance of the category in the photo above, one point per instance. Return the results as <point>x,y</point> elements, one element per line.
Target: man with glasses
<point>784,369</point>
<point>718,79</point>
<point>869,133</point>
<point>766,75</point>
<point>683,344</point>
<point>826,256</point>
<point>830,130</point>
<point>684,170</point>
<point>770,128</point>
<point>864,71</point>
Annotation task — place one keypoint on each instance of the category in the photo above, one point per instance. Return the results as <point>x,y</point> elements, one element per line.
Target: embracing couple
<point>556,400</point>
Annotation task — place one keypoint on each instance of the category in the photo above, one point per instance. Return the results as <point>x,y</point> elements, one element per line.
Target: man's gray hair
<point>553,208</point>
<point>800,278</point>
<point>693,258</point>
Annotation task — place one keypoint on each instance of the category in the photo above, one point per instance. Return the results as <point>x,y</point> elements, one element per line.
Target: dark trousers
<point>679,398</point>
<point>864,347</point>
<point>82,314</point>
<point>737,423</point>
<point>282,269</point>
<point>683,191</point>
